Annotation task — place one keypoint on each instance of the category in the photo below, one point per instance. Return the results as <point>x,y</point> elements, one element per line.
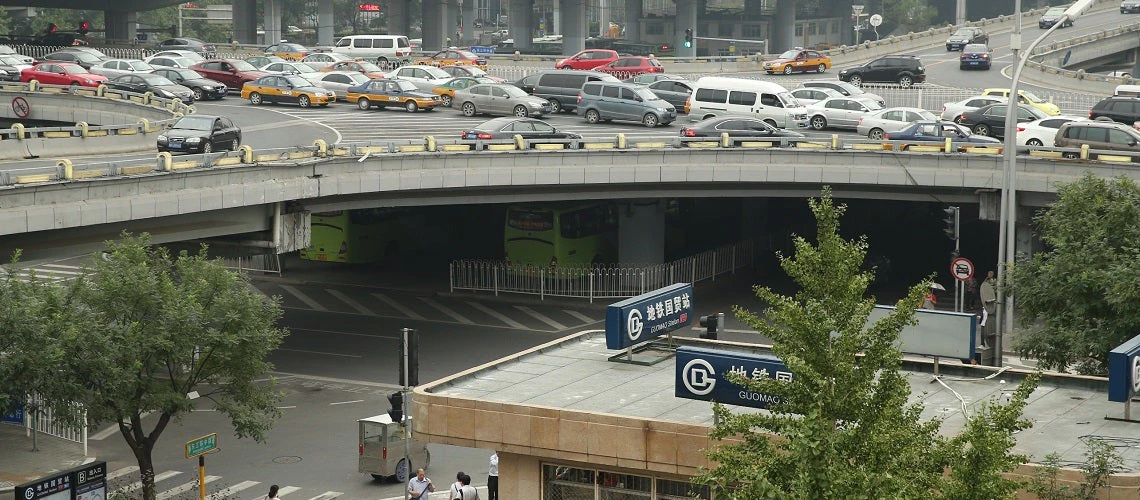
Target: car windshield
<point>85,57</point>
<point>467,54</point>
<point>187,74</point>
<point>962,33</point>
<point>297,81</point>
<point>357,78</point>
<point>141,66</point>
<point>473,71</point>
<point>975,47</point>
<point>10,59</point>
<point>871,104</point>
<point>791,54</point>
<point>645,94</point>
<point>789,100</point>
<point>243,66</point>
<point>1055,11</point>
<point>926,115</point>
<point>4,49</point>
<point>195,123</point>
<point>184,61</point>
<point>848,88</point>
<point>405,86</point>
<point>513,91</point>
<point>304,68</point>
<point>1031,96</point>
<point>156,80</point>
<point>369,67</point>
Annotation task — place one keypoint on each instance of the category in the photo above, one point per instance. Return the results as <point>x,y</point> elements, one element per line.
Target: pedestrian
<point>420,484</point>
<point>493,478</point>
<point>453,492</point>
<point>971,295</point>
<point>468,492</point>
<point>272,493</point>
<point>988,292</point>
<point>929,300</point>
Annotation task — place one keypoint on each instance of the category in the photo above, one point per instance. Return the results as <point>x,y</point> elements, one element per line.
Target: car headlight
<point>194,140</point>
<point>162,138</point>
<point>207,88</point>
<point>165,93</point>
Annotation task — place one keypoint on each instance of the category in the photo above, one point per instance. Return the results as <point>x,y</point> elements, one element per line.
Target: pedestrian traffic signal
<point>688,37</point>
<point>397,411</point>
<point>711,323</point>
<point>84,27</point>
<point>410,359</point>
<point>952,223</point>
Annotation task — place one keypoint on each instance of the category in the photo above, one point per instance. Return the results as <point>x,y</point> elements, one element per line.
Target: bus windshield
<point>356,236</point>
<point>560,236</point>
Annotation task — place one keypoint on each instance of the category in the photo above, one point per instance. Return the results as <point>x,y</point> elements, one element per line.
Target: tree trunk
<point>146,469</point>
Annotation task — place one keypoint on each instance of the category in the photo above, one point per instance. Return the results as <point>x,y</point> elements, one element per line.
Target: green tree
<point>843,427</point>
<point>1080,298</point>
<point>1101,461</point>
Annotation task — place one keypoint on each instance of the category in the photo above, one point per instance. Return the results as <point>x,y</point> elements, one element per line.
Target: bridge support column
<point>326,25</point>
<point>686,19</point>
<point>451,23</point>
<point>603,19</point>
<point>783,27</point>
<point>641,232</point>
<point>120,25</point>
<point>573,26</point>
<point>398,23</point>
<point>555,27</point>
<point>468,10</point>
<point>1135,63</point>
<point>633,14</point>
<point>245,21</point>
<point>272,21</point>
<point>520,23</point>
<point>434,31</point>
<point>959,11</point>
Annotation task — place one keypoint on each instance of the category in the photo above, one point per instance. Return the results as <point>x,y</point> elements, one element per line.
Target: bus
<point>355,236</point>
<point>554,235</point>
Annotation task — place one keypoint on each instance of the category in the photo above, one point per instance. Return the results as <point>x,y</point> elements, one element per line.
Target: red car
<point>626,67</point>
<point>232,72</point>
<point>57,73</point>
<point>588,59</point>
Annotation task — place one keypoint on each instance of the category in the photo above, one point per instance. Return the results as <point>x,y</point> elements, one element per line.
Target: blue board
<point>1124,371</point>
<point>701,376</point>
<point>648,316</point>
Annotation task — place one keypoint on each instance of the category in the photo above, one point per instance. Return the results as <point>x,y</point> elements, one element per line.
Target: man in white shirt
<point>468,492</point>
<point>420,485</point>
<point>493,478</point>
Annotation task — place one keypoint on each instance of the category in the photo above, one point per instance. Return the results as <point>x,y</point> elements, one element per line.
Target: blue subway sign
<point>648,316</point>
<point>481,49</point>
<point>1124,371</point>
<point>15,415</point>
<point>701,376</point>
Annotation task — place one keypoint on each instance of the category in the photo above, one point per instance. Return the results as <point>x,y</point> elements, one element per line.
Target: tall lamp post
<point>1008,225</point>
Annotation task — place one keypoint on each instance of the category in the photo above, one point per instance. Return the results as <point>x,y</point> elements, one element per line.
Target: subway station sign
<point>701,376</point>
<point>1124,371</point>
<point>648,316</point>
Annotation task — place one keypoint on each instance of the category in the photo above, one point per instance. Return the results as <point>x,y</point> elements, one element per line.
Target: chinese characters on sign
<point>647,316</point>
<point>701,376</point>
<point>88,482</point>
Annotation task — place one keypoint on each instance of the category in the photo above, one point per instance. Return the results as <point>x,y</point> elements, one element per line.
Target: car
<point>453,57</point>
<point>901,69</point>
<point>1130,6</point>
<point>446,90</point>
<point>9,51</point>
<point>648,78</point>
<point>470,71</point>
<point>339,81</point>
<point>798,60</point>
<point>61,39</point>
<point>286,89</point>
<point>966,36</point>
<point>606,101</point>
<point>975,55</point>
<point>87,50</point>
<point>202,88</point>
<point>291,68</point>
<point>84,59</point>
<point>811,95</point>
<point>194,45</point>
<point>587,59</point>
<point>675,92</point>
<point>170,62</point>
<point>952,110</point>
<point>1026,97</point>
<point>112,68</point>
<point>10,69</point>
<point>197,133</point>
<point>62,73</point>
<point>156,84</point>
<point>232,72</point>
<point>363,67</point>
<point>16,61</point>
<point>625,67</point>
<point>261,61</point>
<point>1042,132</point>
<point>844,88</point>
<point>385,92</point>
<point>739,129</point>
<point>287,51</point>
<point>323,60</point>
<point>186,54</point>
<point>1098,135</point>
<point>1123,109</point>
<point>939,131</point>
<point>990,120</point>
<point>879,123</point>
<point>508,127</point>
<point>423,77</point>
<point>1051,16</point>
<point>840,112</point>
<point>499,99</point>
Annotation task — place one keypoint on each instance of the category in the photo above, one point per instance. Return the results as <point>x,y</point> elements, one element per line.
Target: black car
<point>1051,16</point>
<point>975,55</point>
<point>738,128</point>
<point>155,84</point>
<point>966,36</point>
<point>203,88</point>
<point>207,50</point>
<point>1129,6</point>
<point>904,70</point>
<point>85,59</point>
<point>9,73</point>
<point>60,39</point>
<point>509,126</point>
<point>990,120</point>
<point>675,92</point>
<point>937,131</point>
<point>200,134</point>
<point>1121,109</point>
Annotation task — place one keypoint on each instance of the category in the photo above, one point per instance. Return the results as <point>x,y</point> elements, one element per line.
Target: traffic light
<point>952,223</point>
<point>688,37</point>
<point>84,27</point>
<point>397,401</point>
<point>711,323</point>
<point>412,370</point>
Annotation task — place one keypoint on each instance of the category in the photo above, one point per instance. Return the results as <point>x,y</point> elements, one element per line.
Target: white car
<point>840,112</point>
<point>424,78</point>
<point>16,61</point>
<point>844,88</point>
<point>119,67</point>
<point>338,82</point>
<point>293,68</point>
<point>884,121</point>
<point>811,95</point>
<point>170,62</point>
<point>951,110</point>
<point>324,59</point>
<point>188,54</point>
<point>8,51</point>
<point>1042,132</point>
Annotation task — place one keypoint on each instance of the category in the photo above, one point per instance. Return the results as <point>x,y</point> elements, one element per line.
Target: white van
<point>716,96</point>
<point>1127,91</point>
<point>384,49</point>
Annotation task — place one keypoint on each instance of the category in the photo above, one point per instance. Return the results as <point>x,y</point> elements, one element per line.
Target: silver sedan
<point>811,95</point>
<point>840,112</point>
<point>499,99</point>
<point>889,120</point>
<point>951,110</point>
<point>339,81</point>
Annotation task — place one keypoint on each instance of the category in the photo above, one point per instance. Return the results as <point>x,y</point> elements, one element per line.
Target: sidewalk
<point>19,464</point>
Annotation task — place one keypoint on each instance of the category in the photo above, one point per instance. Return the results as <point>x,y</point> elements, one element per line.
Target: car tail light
<point>361,449</point>
<point>399,54</point>
<point>962,117</point>
<point>688,132</point>
<point>1090,114</point>
<point>579,98</point>
<point>860,122</point>
<point>943,107</point>
<point>1021,129</point>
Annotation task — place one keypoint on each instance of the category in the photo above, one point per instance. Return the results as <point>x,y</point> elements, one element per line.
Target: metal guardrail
<point>176,107</point>
<point>261,263</point>
<point>597,282</point>
<point>1080,74</point>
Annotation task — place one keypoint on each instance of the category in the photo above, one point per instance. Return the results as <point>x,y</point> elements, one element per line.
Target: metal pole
<point>404,410</point>
<point>180,20</point>
<point>201,474</point>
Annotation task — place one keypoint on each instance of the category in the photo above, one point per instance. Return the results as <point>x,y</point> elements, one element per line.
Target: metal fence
<point>41,420</point>
<point>592,282</point>
<point>933,97</point>
<point>262,263</point>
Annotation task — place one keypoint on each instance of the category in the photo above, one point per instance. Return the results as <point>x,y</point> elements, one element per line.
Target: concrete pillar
<point>633,14</point>
<point>469,15</point>
<point>603,19</point>
<point>272,21</point>
<point>959,11</point>
<point>641,232</point>
<point>556,19</point>
<point>520,21</point>
<point>434,32</point>
<point>326,25</point>
<point>686,18</point>
<point>120,25</point>
<point>451,23</point>
<point>573,26</point>
<point>783,27</point>
<point>1135,63</point>
<point>245,21</point>
<point>398,15</point>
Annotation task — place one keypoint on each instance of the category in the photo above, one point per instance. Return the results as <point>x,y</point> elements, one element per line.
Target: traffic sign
<point>21,107</point>
<point>962,269</point>
<point>875,20</point>
<point>857,9</point>
<point>649,315</point>
<point>201,446</point>
<point>700,375</point>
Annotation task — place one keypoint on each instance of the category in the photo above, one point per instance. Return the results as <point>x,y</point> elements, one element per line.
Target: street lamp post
<point>1007,236</point>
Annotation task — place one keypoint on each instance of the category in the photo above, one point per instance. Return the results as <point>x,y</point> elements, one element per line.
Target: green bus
<point>561,235</point>
<point>355,236</point>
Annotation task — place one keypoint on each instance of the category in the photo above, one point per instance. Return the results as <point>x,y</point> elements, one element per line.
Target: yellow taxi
<point>446,90</point>
<point>798,60</point>
<point>454,57</point>
<point>287,51</point>
<point>385,92</point>
<point>290,89</point>
<point>1027,97</point>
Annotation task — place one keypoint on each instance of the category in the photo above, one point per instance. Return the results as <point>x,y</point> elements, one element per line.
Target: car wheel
<point>1071,156</point>
<point>207,147</point>
<point>74,86</point>
<point>1126,75</point>
<point>198,94</point>
<point>769,72</point>
<point>1034,142</point>
<point>650,120</point>
<point>363,103</point>
<point>905,81</point>
<point>821,68</point>
<point>468,109</point>
<point>411,107</point>
<point>876,134</point>
<point>555,106</point>
<point>382,62</point>
<point>446,100</point>
<point>818,122</point>
<point>255,99</point>
<point>304,101</point>
<point>520,111</point>
<point>856,80</point>
<point>788,69</point>
<point>982,129</point>
<point>592,116</point>
<point>771,122</point>
<point>234,145</point>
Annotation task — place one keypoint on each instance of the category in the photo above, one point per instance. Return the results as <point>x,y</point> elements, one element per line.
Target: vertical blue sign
<point>648,316</point>
<point>701,376</point>
<point>1124,371</point>
<point>16,416</point>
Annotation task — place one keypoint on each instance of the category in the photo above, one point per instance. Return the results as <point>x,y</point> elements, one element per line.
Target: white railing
<point>40,419</point>
<point>592,282</point>
<point>261,263</point>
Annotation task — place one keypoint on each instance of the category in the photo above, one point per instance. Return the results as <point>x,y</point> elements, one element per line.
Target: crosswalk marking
<point>183,488</point>
<point>579,316</point>
<point>497,315</point>
<point>350,301</point>
<point>541,317</point>
<point>191,487</point>
<point>138,484</point>
<point>122,472</point>
<point>228,492</point>
<point>328,495</point>
<point>285,490</point>
<point>316,306</point>
<point>447,310</point>
<point>398,306</point>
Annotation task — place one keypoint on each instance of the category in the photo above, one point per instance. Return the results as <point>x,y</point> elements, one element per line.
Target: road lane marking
<point>112,429</point>
<point>319,352</point>
<point>286,407</point>
<point>328,495</point>
<point>122,472</point>
<point>284,490</point>
<point>229,491</point>
<point>138,484</point>
<point>350,301</point>
<point>183,488</point>
<point>355,334</point>
<point>304,298</point>
<point>333,380</point>
<point>579,316</point>
<point>497,315</point>
<point>398,306</point>
<point>542,317</point>
<point>447,310</point>
<point>347,402</point>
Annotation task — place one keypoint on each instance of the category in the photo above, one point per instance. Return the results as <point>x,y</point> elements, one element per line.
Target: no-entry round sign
<point>21,107</point>
<point>962,269</point>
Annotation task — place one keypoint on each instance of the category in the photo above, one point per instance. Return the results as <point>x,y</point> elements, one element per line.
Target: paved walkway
<point>19,464</point>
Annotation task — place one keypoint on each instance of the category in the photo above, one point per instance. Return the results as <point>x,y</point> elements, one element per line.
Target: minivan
<point>604,101</point>
<point>1127,90</point>
<point>1099,135</point>
<point>716,96</point>
<point>561,86</point>
<point>384,49</point>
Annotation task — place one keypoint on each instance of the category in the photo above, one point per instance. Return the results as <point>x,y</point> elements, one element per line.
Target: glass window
<point>566,483</point>
<point>655,29</point>
<point>731,125</point>
<point>752,31</point>
<point>542,127</point>
<point>628,94</point>
<point>586,221</point>
<point>681,490</point>
<point>497,92</point>
<point>1053,123</point>
<point>836,104</point>
<point>362,43</point>
<point>1120,137</point>
<point>480,90</point>
<point>892,115</point>
<point>592,90</point>
<point>742,98</point>
<point>712,95</point>
<point>770,100</point>
<point>383,43</point>
<point>610,91</point>
<point>799,29</point>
